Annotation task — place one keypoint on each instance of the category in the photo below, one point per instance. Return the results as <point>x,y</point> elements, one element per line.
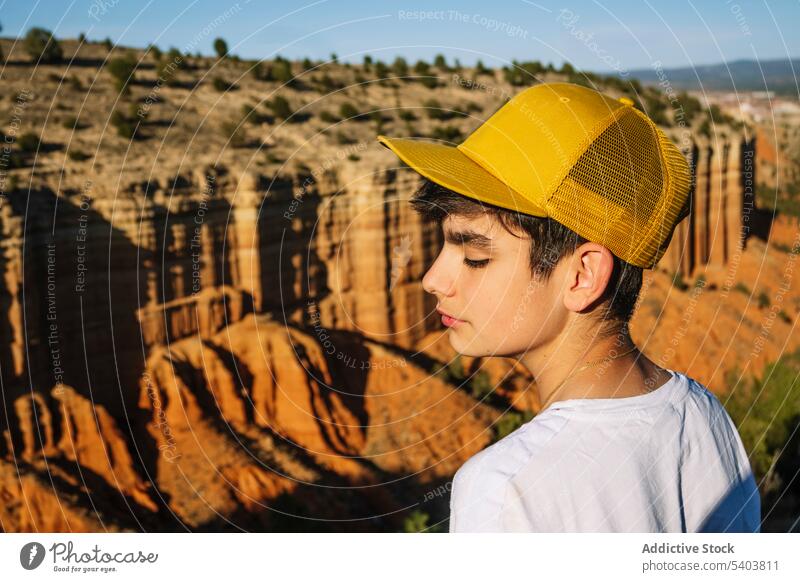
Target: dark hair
<point>550,242</point>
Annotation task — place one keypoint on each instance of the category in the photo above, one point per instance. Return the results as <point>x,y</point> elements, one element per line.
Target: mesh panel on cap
<point>614,194</point>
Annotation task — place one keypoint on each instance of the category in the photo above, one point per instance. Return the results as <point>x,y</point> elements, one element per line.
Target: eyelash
<point>475,264</point>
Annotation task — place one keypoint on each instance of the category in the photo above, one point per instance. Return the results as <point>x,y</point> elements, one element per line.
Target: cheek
<point>509,305</point>
<point>518,311</point>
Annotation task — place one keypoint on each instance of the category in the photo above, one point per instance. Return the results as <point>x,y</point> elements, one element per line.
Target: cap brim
<point>450,167</point>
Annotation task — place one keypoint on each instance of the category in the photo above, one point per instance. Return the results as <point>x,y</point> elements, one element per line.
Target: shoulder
<point>703,408</point>
<point>500,462</point>
<point>480,486</point>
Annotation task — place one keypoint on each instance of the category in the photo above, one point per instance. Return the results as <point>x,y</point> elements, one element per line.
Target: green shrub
<point>400,67</point>
<point>280,107</point>
<point>656,109</point>
<point>763,300</point>
<point>71,123</point>
<point>167,69</point>
<point>77,155</point>
<point>678,282</point>
<point>417,522</point>
<point>434,110</point>
<point>689,108</point>
<point>429,82</point>
<point>28,142</point>
<point>250,114</point>
<point>279,70</point>
<point>783,199</point>
<point>137,113</point>
<point>12,183</point>
<point>155,52</point>
<point>122,69</point>
<point>510,422</point>
<point>407,115</point>
<point>766,411</point>
<point>327,116</point>
<point>348,111</point>
<point>480,385</point>
<point>473,108</point>
<point>717,116</point>
<point>220,47</point>
<point>705,128</point>
<point>222,85</point>
<point>233,131</point>
<point>125,127</point>
<point>422,68</point>
<point>42,46</point>
<point>447,133</point>
<point>455,370</point>
<point>174,54</point>
<point>344,139</point>
<point>326,83</point>
<point>480,69</point>
<point>377,118</point>
<point>381,70</point>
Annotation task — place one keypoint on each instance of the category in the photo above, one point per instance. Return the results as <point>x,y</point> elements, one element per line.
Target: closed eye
<point>472,264</point>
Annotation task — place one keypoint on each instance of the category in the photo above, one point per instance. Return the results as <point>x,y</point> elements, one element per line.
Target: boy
<point>550,211</point>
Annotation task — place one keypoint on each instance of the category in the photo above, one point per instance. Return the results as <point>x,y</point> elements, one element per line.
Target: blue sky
<point>598,36</point>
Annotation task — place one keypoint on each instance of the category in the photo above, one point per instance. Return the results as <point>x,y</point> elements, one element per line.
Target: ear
<point>589,271</point>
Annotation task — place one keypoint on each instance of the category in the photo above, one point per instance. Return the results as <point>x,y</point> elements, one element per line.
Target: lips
<point>447,319</point>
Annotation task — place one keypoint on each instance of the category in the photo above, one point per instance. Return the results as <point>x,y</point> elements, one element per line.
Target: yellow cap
<point>593,163</point>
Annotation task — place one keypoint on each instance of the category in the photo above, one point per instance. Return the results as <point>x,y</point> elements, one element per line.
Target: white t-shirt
<point>670,460</point>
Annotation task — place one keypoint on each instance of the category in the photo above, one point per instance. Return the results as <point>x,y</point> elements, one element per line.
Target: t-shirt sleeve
<point>722,495</point>
<point>518,514</point>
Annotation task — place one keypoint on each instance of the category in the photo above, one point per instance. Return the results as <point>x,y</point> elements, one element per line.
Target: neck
<point>616,374</point>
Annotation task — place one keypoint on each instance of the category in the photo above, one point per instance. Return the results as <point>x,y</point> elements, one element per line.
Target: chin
<point>472,350</point>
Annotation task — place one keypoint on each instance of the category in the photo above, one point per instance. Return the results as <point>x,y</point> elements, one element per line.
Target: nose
<point>436,281</point>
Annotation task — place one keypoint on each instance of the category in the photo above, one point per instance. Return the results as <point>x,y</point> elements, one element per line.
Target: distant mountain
<point>781,76</point>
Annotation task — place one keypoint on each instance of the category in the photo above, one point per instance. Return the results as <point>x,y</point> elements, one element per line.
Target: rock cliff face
<point>724,214</point>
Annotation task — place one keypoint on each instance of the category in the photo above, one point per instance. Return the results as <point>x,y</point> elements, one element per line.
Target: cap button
<point>626,101</point>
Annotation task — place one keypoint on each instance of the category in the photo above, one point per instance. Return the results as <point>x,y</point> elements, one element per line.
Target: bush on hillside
<point>42,46</point>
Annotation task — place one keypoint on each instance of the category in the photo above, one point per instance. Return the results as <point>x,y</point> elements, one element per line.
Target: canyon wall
<point>722,215</point>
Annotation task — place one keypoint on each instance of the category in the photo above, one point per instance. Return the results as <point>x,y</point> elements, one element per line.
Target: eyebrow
<point>468,237</point>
